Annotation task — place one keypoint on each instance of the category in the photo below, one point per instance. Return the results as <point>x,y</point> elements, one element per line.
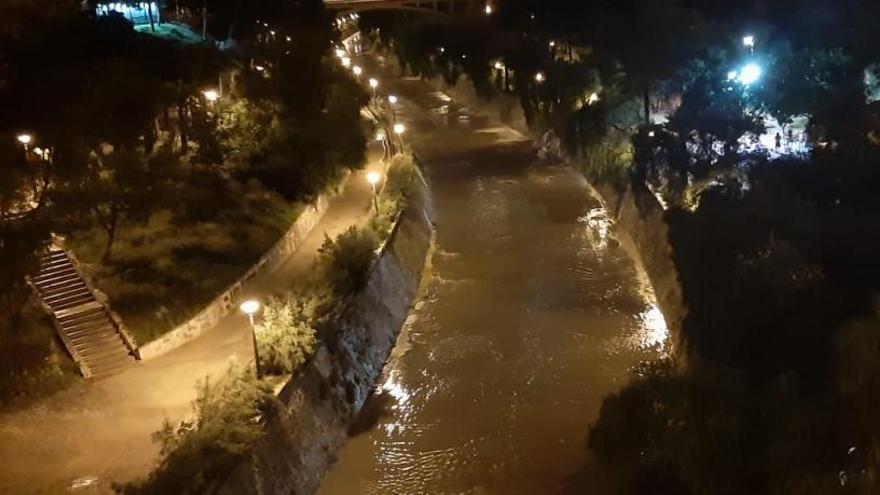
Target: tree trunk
<point>150,15</point>
<point>110,227</point>
<point>233,22</point>
<point>205,20</point>
<point>647,102</point>
<point>183,124</point>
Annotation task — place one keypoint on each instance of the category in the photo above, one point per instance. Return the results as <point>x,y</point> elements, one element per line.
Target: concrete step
<point>61,295</point>
<point>112,368</point>
<point>96,351</point>
<point>45,276</point>
<point>72,303</point>
<point>86,313</point>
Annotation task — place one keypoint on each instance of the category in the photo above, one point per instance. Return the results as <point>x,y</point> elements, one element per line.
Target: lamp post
<point>374,83</point>
<point>399,129</point>
<point>357,71</point>
<point>25,140</point>
<point>749,42</point>
<point>373,178</point>
<point>346,62</point>
<point>540,78</point>
<point>211,95</point>
<point>392,101</point>
<point>250,308</point>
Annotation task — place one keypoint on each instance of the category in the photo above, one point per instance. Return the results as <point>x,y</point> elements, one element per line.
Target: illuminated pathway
<point>100,431</point>
<point>531,317</point>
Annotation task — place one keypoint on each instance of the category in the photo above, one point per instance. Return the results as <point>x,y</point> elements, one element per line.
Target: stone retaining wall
<point>228,301</point>
<point>321,401</point>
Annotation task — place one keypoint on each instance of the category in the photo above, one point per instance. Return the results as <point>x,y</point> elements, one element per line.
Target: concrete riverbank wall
<point>638,214</point>
<point>318,405</point>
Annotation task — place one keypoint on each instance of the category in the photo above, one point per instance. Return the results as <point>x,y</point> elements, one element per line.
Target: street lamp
<point>540,78</point>
<point>250,308</point>
<point>749,74</point>
<point>357,70</point>
<point>749,42</point>
<point>340,53</point>
<point>392,100</point>
<point>25,139</point>
<point>346,62</point>
<point>488,10</point>
<point>211,95</point>
<point>374,83</point>
<point>399,129</point>
<point>373,178</point>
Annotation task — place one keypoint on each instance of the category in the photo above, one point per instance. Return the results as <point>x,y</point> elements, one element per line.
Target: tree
<point>285,337</point>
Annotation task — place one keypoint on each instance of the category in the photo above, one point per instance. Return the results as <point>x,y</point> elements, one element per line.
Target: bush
<point>203,450</point>
<point>285,337</point>
<point>345,263</point>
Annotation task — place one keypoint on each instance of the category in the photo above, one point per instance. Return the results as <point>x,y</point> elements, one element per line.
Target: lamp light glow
<point>250,307</point>
<point>24,139</point>
<point>373,178</point>
<point>749,74</point>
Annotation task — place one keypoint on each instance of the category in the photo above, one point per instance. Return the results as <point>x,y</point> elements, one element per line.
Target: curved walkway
<point>100,431</point>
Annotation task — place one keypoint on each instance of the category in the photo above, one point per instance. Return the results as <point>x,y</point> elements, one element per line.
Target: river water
<point>531,314</point>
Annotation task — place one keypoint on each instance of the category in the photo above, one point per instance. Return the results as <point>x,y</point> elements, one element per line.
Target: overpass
<point>423,6</point>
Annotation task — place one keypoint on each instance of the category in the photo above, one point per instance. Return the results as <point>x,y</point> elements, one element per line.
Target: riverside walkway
<point>99,431</point>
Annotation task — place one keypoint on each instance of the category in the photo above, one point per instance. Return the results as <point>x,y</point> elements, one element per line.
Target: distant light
<point>399,129</point>
<point>250,308</point>
<point>380,136</point>
<point>488,10</point>
<point>259,68</point>
<point>373,178</point>
<point>539,77</point>
<point>499,65</point>
<point>749,41</point>
<point>346,62</point>
<point>552,44</point>
<point>374,83</point>
<point>25,138</point>
<point>340,53</point>
<point>357,70</point>
<point>442,49</point>
<point>650,133</point>
<point>392,99</point>
<point>288,39</point>
<point>272,33</point>
<point>593,98</point>
<point>732,75</point>
<point>211,95</point>
<point>749,74</point>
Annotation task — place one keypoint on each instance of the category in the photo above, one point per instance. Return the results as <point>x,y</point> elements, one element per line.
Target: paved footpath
<point>100,431</point>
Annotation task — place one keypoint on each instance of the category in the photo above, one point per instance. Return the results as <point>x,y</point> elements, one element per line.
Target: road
<point>98,432</point>
<point>532,315</point>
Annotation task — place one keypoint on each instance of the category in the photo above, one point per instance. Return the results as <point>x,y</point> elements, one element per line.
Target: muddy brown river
<point>531,314</point>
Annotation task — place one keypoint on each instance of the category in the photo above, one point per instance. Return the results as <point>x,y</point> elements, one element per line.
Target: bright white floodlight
<point>749,41</point>
<point>749,74</point>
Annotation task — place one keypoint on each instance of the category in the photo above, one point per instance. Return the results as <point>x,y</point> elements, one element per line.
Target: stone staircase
<point>92,334</point>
